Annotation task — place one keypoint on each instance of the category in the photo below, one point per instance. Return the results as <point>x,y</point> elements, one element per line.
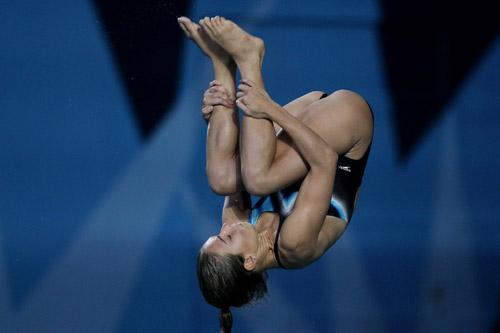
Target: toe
<point>230,23</point>
<point>207,25</point>
<point>188,26</point>
<point>184,28</point>
<point>214,25</point>
<point>205,21</point>
<point>184,20</point>
<point>210,22</point>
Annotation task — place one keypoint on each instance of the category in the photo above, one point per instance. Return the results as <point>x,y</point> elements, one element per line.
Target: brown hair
<point>224,282</point>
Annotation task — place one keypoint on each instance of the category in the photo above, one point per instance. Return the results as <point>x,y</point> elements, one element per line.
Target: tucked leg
<point>223,163</point>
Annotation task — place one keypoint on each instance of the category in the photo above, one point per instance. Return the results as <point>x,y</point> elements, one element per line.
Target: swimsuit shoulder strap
<point>276,247</point>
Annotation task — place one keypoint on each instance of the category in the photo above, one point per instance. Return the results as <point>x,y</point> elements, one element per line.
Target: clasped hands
<point>251,100</point>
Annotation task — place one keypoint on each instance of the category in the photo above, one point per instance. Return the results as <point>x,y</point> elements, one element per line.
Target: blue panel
<point>65,129</point>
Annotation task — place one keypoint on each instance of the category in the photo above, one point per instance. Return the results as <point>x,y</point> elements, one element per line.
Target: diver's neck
<point>267,229</point>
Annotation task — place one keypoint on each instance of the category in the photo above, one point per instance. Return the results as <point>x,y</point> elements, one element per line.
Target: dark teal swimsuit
<point>347,182</point>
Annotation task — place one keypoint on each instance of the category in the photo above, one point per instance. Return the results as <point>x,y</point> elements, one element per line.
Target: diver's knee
<point>254,182</point>
<point>221,183</point>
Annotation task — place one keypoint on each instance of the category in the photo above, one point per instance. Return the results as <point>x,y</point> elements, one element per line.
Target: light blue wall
<point>99,231</point>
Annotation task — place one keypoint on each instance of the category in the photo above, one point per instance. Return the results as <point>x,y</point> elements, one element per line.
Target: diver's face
<point>236,238</point>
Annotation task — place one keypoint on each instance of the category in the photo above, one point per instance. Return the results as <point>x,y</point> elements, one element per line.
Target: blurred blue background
<point>103,196</point>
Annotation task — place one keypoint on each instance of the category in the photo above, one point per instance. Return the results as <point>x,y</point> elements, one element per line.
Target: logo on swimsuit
<point>345,168</point>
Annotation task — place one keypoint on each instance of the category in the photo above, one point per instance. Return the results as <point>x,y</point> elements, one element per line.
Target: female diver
<point>304,161</point>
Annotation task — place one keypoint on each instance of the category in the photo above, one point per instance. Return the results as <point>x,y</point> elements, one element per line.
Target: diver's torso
<point>348,177</point>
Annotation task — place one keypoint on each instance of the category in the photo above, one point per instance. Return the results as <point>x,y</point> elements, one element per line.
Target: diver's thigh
<point>338,119</point>
<point>320,116</point>
<point>298,105</point>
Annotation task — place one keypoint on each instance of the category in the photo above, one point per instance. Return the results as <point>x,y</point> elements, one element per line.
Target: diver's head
<point>239,239</point>
<point>228,270</point>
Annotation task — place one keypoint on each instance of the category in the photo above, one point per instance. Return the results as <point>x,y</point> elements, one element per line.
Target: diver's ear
<point>250,263</point>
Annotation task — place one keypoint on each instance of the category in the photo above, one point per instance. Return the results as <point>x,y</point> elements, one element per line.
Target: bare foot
<point>194,32</point>
<point>240,45</point>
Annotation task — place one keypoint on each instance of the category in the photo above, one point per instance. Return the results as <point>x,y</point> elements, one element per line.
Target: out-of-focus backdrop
<point>103,197</point>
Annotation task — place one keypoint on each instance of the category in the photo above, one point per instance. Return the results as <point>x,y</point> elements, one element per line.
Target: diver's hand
<point>254,101</point>
<point>215,95</point>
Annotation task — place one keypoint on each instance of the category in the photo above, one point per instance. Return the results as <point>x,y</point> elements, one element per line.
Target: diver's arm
<point>311,146</point>
<point>302,232</point>
<point>303,237</point>
<point>300,235</point>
